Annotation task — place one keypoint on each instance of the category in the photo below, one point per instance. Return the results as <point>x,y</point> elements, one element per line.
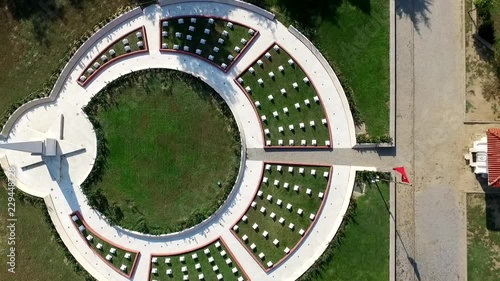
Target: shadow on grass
<point>492,204</point>
<point>77,4</point>
<point>493,211</point>
<point>411,260</point>
<point>309,14</point>
<point>25,9</point>
<point>39,12</point>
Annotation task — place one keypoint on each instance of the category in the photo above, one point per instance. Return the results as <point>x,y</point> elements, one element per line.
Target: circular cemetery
<point>161,151</point>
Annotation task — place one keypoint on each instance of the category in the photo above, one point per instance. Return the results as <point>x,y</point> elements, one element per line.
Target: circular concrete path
<point>65,197</point>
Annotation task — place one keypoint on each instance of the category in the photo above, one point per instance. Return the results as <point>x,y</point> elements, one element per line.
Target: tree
<point>482,4</point>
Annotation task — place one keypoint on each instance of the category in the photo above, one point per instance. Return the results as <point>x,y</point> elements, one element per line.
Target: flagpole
<point>394,181</point>
<point>377,178</point>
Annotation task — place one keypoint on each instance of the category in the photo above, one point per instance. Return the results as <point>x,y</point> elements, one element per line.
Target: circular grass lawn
<point>166,141</point>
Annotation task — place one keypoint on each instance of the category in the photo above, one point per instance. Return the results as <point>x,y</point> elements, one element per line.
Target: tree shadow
<point>39,12</point>
<point>493,211</point>
<point>417,10</point>
<point>364,6</point>
<point>485,53</point>
<point>492,204</point>
<point>411,260</point>
<point>77,4</point>
<point>25,9</point>
<point>309,14</point>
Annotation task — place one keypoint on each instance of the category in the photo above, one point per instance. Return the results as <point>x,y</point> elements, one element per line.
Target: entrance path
<point>381,158</point>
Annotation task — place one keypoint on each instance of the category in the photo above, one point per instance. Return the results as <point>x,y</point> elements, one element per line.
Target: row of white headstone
<point>194,20</point>
<point>99,246</point>
<point>307,102</point>
<point>291,169</point>
<point>112,53</point>
<point>283,91</point>
<point>207,31</point>
<point>291,142</point>
<point>265,233</point>
<point>194,256</point>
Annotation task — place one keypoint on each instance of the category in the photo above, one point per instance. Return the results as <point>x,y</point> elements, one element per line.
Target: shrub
<point>365,138</point>
<point>482,4</point>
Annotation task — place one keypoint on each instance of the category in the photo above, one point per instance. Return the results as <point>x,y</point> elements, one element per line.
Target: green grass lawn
<point>35,40</point>
<point>483,237</point>
<point>288,238</point>
<point>38,256</point>
<point>168,139</point>
<point>232,39</point>
<point>273,86</point>
<point>354,36</point>
<point>117,259</point>
<point>119,49</point>
<point>206,267</point>
<point>363,250</point>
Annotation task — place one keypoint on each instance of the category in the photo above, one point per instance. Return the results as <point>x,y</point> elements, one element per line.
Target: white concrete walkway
<point>66,196</point>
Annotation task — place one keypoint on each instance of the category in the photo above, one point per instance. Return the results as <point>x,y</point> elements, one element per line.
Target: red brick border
<point>109,62</point>
<point>257,112</point>
<point>238,56</point>
<point>196,249</point>
<point>327,190</point>
<point>137,253</point>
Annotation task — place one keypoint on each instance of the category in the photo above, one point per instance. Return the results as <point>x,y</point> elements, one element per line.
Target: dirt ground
<point>478,72</point>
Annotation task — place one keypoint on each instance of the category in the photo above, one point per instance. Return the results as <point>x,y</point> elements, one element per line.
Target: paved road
<point>430,136</point>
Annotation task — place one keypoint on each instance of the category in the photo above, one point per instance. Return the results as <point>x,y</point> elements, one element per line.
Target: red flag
<point>404,176</point>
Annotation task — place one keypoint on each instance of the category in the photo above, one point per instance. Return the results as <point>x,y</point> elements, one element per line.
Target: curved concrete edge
<point>111,243</point>
<point>309,229</point>
<point>87,266</point>
<point>112,60</point>
<point>236,3</point>
<point>205,245</point>
<point>308,263</point>
<point>263,136</point>
<point>73,249</point>
<point>4,163</point>
<point>68,68</point>
<point>302,38</point>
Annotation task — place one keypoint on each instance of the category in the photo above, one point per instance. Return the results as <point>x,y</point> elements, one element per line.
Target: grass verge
<point>40,253</point>
<point>360,249</point>
<point>483,237</point>
<point>39,39</point>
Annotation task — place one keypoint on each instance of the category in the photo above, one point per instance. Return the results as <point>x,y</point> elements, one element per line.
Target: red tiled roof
<point>493,157</point>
